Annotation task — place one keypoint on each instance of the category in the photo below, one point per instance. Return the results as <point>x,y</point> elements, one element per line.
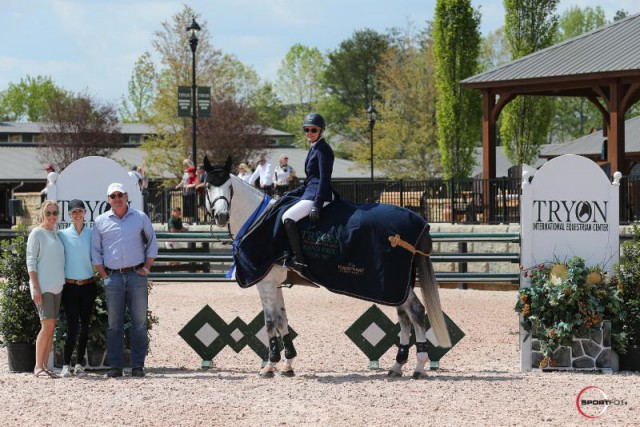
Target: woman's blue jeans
<point>127,290</point>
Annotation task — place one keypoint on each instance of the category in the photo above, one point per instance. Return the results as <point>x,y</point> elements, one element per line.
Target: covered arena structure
<point>602,66</point>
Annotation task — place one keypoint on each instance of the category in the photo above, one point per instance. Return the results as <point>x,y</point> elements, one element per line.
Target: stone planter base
<point>591,352</point>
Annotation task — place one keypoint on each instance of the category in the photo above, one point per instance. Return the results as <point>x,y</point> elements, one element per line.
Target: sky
<point>92,45</point>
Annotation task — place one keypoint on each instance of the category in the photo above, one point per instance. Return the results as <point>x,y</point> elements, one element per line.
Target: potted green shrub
<point>19,321</point>
<point>628,279</point>
<point>568,301</point>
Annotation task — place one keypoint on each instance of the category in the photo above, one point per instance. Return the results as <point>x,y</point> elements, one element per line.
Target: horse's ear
<point>227,165</point>
<point>207,165</point>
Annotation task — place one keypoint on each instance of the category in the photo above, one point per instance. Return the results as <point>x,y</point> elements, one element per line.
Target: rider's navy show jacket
<point>318,167</point>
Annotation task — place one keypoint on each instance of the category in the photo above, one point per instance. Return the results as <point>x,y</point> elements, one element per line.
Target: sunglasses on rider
<point>309,130</point>
<point>49,213</point>
<point>114,195</point>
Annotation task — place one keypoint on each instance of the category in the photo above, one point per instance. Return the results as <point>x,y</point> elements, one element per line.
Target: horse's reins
<point>212,221</point>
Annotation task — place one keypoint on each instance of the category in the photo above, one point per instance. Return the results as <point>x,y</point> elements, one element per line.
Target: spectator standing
<point>45,264</point>
<point>137,177</point>
<point>123,247</point>
<point>264,171</point>
<point>244,172</point>
<point>80,289</point>
<point>283,175</point>
<point>52,177</point>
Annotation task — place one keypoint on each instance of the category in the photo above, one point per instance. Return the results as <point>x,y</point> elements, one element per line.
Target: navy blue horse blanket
<point>347,251</point>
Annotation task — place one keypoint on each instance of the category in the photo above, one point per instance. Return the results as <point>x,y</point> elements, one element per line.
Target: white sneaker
<point>66,371</point>
<point>79,371</point>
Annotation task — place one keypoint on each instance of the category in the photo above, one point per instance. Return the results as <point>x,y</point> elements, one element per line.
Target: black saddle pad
<point>347,251</point>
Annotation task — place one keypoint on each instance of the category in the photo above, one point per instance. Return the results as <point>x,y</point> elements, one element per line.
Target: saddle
<point>348,251</point>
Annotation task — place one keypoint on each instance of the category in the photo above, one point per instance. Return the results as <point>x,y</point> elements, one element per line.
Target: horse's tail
<point>429,286</point>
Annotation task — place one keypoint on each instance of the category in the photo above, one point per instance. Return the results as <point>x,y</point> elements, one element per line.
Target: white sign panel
<point>569,209</point>
<point>87,179</point>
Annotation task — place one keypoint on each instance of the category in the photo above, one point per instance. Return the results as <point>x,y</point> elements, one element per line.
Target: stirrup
<point>294,265</point>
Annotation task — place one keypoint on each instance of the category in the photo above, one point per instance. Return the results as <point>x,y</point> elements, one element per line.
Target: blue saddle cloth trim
<point>256,214</point>
<point>347,251</point>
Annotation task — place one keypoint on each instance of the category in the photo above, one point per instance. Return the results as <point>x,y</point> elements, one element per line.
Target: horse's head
<point>218,191</point>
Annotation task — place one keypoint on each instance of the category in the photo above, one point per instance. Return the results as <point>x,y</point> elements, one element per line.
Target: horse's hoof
<point>268,373</point>
<point>290,373</point>
<point>419,375</point>
<point>394,374</point>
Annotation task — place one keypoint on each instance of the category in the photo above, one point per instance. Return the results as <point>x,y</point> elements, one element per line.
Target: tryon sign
<point>87,179</point>
<point>570,208</point>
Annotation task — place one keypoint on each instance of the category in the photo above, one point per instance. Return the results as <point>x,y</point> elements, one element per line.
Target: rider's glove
<point>314,215</point>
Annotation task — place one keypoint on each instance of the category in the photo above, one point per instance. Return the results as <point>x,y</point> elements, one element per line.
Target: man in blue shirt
<point>123,247</point>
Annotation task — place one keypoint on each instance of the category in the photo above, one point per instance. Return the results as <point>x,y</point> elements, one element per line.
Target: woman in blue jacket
<point>316,190</point>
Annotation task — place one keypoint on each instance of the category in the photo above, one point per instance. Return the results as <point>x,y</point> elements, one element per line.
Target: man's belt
<point>124,269</point>
<point>80,282</point>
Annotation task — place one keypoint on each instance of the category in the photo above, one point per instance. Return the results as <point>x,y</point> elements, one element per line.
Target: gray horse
<point>231,202</point>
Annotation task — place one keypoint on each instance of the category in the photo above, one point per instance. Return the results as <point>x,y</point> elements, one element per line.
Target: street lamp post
<point>372,122</point>
<point>193,28</point>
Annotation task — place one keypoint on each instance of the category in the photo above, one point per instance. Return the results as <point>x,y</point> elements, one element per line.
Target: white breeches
<point>299,210</point>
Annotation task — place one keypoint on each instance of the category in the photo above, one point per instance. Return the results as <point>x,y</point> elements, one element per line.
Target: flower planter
<point>631,360</point>
<point>22,357</point>
<point>591,352</point>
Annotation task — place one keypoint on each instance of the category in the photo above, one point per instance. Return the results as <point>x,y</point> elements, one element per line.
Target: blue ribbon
<point>255,215</point>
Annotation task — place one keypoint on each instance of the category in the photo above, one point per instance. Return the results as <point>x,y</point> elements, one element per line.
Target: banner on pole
<point>184,101</point>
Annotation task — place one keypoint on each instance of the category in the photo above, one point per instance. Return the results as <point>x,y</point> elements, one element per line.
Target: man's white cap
<point>116,187</point>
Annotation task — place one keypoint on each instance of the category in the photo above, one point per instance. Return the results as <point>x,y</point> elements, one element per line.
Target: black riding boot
<point>296,262</point>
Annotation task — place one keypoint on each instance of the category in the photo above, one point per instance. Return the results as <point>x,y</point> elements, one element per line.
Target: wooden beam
<point>616,143</point>
<point>488,150</point>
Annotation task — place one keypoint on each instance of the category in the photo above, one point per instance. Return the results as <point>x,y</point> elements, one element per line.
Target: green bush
<point>19,321</point>
<point>628,278</point>
<point>565,300</point>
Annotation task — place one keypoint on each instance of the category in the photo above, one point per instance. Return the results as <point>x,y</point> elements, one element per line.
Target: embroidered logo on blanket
<point>351,269</point>
<point>319,245</point>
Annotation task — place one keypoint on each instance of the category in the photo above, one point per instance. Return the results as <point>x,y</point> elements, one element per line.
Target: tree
<point>575,117</point>
<point>351,71</point>
<point>530,25</point>
<point>28,100</point>
<point>456,48</point>
<point>228,78</point>
<point>142,91</point>
<point>406,144</point>
<point>78,127</point>
<point>299,75</point>
<point>494,50</point>
<point>268,108</point>
<point>231,131</point>
<point>620,14</point>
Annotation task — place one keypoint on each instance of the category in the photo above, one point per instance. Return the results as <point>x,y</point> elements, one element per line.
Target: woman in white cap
<point>80,289</point>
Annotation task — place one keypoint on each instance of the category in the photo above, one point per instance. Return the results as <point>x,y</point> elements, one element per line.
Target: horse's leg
<point>415,312</point>
<point>282,324</point>
<point>405,335</point>
<point>269,297</point>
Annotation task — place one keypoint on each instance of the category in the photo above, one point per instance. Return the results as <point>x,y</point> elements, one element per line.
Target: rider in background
<point>315,192</point>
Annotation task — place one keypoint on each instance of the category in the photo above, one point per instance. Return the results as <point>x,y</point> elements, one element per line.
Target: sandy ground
<point>479,383</point>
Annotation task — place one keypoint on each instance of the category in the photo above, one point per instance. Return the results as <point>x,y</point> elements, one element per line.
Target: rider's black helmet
<point>314,119</point>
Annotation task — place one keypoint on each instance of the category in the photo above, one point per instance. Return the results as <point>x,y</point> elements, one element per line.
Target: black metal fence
<point>456,201</point>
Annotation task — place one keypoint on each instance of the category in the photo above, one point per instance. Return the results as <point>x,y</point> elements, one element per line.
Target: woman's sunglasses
<point>49,213</point>
<point>309,130</point>
<point>118,195</point>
